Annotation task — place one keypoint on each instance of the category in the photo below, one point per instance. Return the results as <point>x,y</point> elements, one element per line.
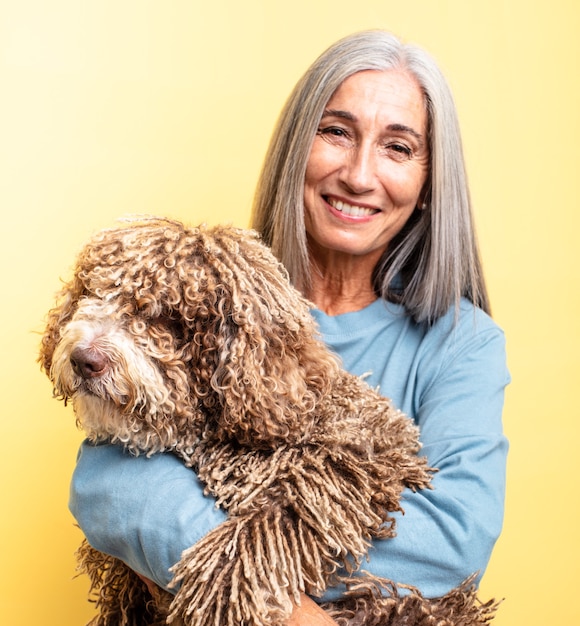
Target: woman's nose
<point>359,173</point>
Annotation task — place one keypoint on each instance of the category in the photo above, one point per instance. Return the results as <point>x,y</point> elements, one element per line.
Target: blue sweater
<point>449,378</point>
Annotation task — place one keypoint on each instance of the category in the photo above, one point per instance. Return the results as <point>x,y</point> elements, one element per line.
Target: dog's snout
<point>88,363</point>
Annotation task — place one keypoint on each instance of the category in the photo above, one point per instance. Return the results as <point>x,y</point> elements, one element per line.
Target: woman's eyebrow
<point>345,115</point>
<point>403,128</point>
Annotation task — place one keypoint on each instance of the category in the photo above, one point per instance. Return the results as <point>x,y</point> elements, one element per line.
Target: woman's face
<point>367,166</point>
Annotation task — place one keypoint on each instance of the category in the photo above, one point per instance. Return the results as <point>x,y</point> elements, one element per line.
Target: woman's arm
<point>448,533</point>
<point>145,511</point>
<point>114,497</point>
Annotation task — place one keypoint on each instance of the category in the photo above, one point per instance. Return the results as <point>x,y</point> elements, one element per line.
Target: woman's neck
<point>339,292</point>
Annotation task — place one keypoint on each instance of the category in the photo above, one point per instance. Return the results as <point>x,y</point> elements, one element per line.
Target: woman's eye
<point>332,131</point>
<point>400,149</point>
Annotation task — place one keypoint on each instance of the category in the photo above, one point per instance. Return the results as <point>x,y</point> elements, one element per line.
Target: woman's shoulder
<point>466,332</point>
<point>465,321</point>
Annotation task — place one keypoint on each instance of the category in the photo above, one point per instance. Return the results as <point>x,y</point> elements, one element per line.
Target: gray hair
<point>434,260</point>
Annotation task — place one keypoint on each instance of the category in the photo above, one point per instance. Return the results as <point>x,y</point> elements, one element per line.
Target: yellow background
<point>116,106</point>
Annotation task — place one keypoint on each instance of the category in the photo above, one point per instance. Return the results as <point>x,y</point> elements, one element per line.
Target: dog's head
<point>163,328</point>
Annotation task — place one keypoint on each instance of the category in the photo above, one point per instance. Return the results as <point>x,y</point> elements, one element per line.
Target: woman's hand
<point>309,614</point>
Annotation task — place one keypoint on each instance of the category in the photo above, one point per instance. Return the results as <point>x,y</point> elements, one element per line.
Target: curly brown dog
<point>193,341</point>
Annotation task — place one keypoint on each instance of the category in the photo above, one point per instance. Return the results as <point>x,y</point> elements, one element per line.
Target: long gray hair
<point>434,260</point>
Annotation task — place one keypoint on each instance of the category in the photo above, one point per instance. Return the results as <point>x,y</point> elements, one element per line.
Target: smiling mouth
<point>351,210</point>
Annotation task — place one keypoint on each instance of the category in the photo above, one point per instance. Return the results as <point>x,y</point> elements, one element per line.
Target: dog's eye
<point>169,326</point>
<point>177,330</point>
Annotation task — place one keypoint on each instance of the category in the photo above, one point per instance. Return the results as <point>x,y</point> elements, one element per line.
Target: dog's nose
<point>88,363</point>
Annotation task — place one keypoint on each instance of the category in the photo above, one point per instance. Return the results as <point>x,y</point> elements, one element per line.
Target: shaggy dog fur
<point>192,341</point>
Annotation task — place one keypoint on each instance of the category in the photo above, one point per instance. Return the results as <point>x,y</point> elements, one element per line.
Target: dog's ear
<point>67,300</point>
<point>269,369</point>
<point>56,318</point>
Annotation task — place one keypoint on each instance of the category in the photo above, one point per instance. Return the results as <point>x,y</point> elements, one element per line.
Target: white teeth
<point>348,209</point>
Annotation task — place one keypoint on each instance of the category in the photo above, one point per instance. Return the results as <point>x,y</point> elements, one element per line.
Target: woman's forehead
<point>387,96</point>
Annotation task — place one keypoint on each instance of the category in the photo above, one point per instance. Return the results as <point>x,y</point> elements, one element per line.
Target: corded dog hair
<point>192,341</point>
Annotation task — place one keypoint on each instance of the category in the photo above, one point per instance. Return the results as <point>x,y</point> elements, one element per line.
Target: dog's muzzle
<point>88,363</point>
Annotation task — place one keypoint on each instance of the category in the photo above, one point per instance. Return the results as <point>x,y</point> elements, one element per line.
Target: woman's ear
<point>424,199</point>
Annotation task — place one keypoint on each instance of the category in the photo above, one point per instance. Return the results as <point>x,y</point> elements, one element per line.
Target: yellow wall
<point>116,106</point>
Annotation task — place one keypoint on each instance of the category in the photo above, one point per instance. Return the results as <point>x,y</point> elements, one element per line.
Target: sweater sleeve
<point>447,533</point>
<point>145,511</point>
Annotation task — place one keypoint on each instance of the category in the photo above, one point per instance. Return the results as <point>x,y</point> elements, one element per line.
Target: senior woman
<point>364,198</point>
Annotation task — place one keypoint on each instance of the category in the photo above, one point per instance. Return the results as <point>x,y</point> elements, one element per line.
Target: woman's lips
<point>352,210</point>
